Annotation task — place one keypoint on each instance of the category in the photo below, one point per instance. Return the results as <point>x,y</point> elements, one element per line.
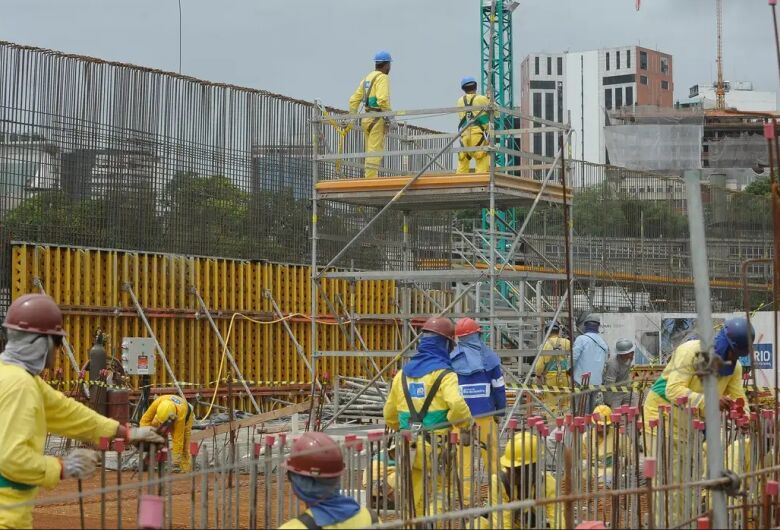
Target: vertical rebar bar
<point>254,457</point>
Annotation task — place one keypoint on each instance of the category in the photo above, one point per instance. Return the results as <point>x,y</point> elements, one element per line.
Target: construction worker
<point>680,379</point>
<point>475,134</point>
<point>517,481</point>
<point>590,354</point>
<point>482,386</point>
<point>617,371</point>
<point>425,398</point>
<point>30,409</point>
<point>383,475</point>
<point>175,409</point>
<point>553,368</point>
<point>373,94</point>
<point>602,446</point>
<point>314,470</point>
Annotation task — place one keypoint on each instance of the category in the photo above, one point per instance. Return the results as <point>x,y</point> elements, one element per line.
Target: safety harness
<point>416,423</point>
<point>467,117</point>
<point>370,103</point>
<point>308,521</point>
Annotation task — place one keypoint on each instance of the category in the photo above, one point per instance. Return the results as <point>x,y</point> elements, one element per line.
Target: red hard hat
<point>466,326</point>
<point>441,326</point>
<point>315,454</point>
<point>35,313</point>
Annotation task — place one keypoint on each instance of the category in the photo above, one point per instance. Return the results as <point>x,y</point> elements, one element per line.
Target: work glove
<point>79,463</point>
<point>725,403</point>
<point>144,435</point>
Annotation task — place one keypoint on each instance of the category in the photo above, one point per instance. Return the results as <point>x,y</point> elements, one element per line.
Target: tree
<point>760,186</point>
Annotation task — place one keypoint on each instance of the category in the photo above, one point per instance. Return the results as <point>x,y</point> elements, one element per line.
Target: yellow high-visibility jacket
<point>447,405</point>
<point>29,408</point>
<point>679,379</point>
<point>362,519</point>
<point>473,100</point>
<point>182,428</point>
<point>550,510</point>
<point>373,91</point>
<point>554,366</point>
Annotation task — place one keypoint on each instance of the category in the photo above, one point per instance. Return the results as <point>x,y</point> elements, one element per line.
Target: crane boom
<point>720,90</point>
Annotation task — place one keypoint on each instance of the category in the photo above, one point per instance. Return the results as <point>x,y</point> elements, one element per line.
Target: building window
<point>618,97</point>
<point>608,98</point>
<point>549,66</point>
<point>628,58</point>
<point>537,110</point>
<point>560,65</point>
<point>617,60</point>
<point>643,79</point>
<point>607,60</point>
<point>549,106</point>
<point>643,60</point>
<point>664,65</point>
<point>549,144</point>
<point>538,143</point>
<point>629,96</point>
<point>665,85</point>
<point>536,65</point>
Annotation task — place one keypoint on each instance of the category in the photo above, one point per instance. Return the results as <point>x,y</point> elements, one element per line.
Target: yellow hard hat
<point>525,451</point>
<point>165,411</point>
<point>605,415</point>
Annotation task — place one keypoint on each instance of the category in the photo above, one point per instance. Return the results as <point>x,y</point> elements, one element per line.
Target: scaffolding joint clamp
<point>733,487</point>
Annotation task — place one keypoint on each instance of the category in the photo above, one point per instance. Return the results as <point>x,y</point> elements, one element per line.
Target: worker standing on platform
<point>30,409</point>
<point>617,372</point>
<point>314,469</point>
<point>373,94</point>
<point>174,409</point>
<point>425,397</point>
<point>474,135</point>
<point>590,354</point>
<point>482,386</point>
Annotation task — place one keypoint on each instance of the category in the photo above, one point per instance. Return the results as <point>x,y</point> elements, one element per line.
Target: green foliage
<point>760,186</point>
<point>49,216</point>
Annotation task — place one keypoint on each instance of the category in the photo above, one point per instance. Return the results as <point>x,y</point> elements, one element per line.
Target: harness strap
<point>308,521</point>
<point>418,417</point>
<point>367,93</point>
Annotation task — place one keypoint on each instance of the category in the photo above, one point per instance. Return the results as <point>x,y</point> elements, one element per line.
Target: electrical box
<point>138,355</point>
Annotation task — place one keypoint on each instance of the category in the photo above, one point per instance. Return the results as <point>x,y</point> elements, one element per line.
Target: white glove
<point>79,463</point>
<point>144,435</point>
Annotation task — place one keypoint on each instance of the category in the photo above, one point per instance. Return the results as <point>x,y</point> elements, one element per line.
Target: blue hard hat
<point>552,324</point>
<point>467,81</point>
<point>383,57</point>
<point>739,335</point>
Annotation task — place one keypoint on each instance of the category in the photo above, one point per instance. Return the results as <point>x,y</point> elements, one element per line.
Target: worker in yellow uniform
<point>30,408</point>
<point>552,367</point>
<point>373,94</point>
<point>425,398</point>
<point>475,134</point>
<point>601,447</point>
<point>314,470</point>
<point>517,481</point>
<point>175,408</point>
<point>680,379</point>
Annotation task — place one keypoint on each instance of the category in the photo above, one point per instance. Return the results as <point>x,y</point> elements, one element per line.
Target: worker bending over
<point>601,447</point>
<point>179,412</point>
<point>482,386</point>
<point>680,379</point>
<point>314,470</point>
<point>30,408</point>
<point>425,399</point>
<point>373,94</point>
<point>475,134</point>
<point>517,481</point>
<point>617,372</point>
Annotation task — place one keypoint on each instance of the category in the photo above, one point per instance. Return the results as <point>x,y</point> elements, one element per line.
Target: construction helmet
<point>593,318</point>
<point>553,325</point>
<point>383,57</point>
<point>165,411</point>
<point>441,326</point>
<point>468,80</point>
<point>466,326</point>
<point>624,347</point>
<point>739,334</point>
<point>525,451</point>
<point>604,413</point>
<point>35,313</point>
<point>315,454</point>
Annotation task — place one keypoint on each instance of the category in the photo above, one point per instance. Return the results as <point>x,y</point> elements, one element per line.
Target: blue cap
<point>383,57</point>
<point>467,81</point>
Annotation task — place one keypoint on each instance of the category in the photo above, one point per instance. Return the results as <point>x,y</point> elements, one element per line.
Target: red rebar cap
<point>545,431</point>
<point>740,403</point>
<point>453,438</point>
<point>162,454</point>
<point>258,449</point>
<point>359,446</point>
<point>194,448</point>
<point>649,467</point>
<point>590,525</point>
<point>512,424</point>
<point>640,425</point>
<point>766,414</point>
<point>270,440</point>
<point>559,436</point>
<point>104,443</point>
<point>282,438</point>
<point>407,435</point>
<point>559,421</point>
<point>588,419</point>
<point>734,414</point>
<point>682,400</point>
<point>615,418</point>
<point>771,488</point>
<point>653,423</point>
<point>579,421</point>
<point>375,436</point>
<point>622,429</point>
<point>703,523</point>
<point>567,419</point>
<point>119,445</point>
<point>769,127</point>
<point>630,415</point>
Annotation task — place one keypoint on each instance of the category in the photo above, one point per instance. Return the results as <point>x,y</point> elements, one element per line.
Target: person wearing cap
<point>30,409</point>
<point>373,94</point>
<point>425,398</point>
<point>482,386</point>
<point>602,446</point>
<point>680,379</point>
<point>174,409</point>
<point>475,134</point>
<point>517,481</point>
<point>314,469</point>
<point>617,372</point>
<point>590,353</point>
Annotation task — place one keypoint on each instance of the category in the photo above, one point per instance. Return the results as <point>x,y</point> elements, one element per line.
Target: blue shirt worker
<point>590,355</point>
<point>482,386</point>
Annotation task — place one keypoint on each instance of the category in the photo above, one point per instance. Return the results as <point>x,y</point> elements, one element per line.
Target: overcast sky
<point>321,48</point>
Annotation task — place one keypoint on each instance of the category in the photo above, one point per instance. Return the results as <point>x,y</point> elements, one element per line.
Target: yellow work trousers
<point>17,517</point>
<point>374,131</point>
<point>181,446</point>
<point>472,137</point>
<point>487,429</point>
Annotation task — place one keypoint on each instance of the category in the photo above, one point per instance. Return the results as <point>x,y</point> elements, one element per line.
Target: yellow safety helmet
<point>165,411</point>
<point>525,451</point>
<point>605,415</point>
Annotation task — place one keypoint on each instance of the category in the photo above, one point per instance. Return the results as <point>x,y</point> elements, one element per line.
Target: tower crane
<point>720,89</point>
